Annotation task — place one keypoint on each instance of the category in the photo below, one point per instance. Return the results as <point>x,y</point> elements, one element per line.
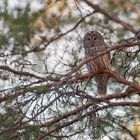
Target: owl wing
<point>105,57</point>
<point>108,55</point>
<point>87,55</point>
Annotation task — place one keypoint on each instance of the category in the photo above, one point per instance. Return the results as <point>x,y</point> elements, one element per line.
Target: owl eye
<point>88,38</point>
<point>94,38</point>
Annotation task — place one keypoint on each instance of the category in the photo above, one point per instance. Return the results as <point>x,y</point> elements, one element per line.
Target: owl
<point>93,43</point>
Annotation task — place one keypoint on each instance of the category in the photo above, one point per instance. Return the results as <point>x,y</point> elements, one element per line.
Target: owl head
<point>92,38</point>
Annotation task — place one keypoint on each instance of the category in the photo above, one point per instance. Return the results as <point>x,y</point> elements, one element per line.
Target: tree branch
<point>113,104</point>
<point>122,45</point>
<point>111,17</point>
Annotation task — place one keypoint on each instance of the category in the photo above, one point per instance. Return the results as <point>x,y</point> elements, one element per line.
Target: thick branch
<point>123,45</point>
<point>122,80</point>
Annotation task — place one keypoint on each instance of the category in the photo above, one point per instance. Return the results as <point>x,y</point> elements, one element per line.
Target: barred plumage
<point>94,43</point>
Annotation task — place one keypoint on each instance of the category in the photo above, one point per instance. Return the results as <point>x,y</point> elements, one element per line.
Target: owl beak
<point>93,38</point>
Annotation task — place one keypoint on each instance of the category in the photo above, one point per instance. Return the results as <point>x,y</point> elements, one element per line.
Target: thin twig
<point>111,17</point>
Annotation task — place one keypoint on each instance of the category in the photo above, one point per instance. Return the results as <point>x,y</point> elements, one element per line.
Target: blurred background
<point>40,43</point>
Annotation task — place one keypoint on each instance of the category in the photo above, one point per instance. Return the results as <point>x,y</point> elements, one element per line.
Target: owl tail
<point>101,81</point>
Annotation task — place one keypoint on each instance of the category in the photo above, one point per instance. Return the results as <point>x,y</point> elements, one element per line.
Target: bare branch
<point>20,73</point>
<point>46,42</point>
<point>122,45</point>
<point>113,104</point>
<point>111,17</point>
<point>122,80</point>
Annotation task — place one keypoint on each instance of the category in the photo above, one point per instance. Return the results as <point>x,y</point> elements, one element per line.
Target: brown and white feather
<point>93,44</point>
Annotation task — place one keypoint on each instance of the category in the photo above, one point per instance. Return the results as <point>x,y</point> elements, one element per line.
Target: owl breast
<point>101,62</point>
